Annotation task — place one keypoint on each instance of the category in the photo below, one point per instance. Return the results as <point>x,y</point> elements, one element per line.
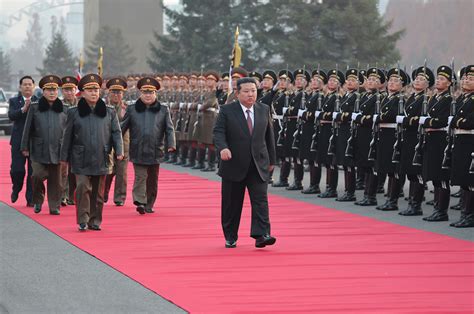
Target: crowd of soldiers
<point>371,123</point>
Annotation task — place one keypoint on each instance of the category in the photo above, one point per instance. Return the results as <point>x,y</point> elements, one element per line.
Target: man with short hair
<point>244,138</point>
<point>17,111</point>
<point>42,137</point>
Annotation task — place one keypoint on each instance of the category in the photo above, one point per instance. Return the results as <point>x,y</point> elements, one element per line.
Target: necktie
<point>249,122</point>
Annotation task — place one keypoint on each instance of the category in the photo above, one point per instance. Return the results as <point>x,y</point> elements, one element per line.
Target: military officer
<point>117,87</point>
<point>198,127</point>
<point>191,118</point>
<point>269,79</point>
<point>42,137</point>
<point>149,122</point>
<point>92,130</point>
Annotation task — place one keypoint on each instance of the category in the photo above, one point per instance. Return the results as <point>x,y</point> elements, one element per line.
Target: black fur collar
<point>84,109</point>
<point>43,105</point>
<point>140,106</point>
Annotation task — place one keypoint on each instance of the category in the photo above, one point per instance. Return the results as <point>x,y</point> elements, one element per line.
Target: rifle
<point>281,134</point>
<point>418,156</point>
<point>375,129</point>
<point>350,141</point>
<point>397,147</point>
<point>299,129</point>
<point>448,151</point>
<point>335,125</point>
<point>182,105</point>
<point>314,138</point>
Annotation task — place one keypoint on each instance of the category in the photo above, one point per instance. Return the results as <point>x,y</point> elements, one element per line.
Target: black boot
<point>393,194</point>
<point>211,164</point>
<point>360,179</point>
<point>370,199</point>
<point>460,204</point>
<point>349,183</point>
<point>441,208</point>
<point>380,183</point>
<point>200,159</point>
<point>417,191</point>
<point>366,190</point>
<point>467,216</point>
<point>270,181</point>
<point>192,158</point>
<point>284,173</point>
<point>331,178</point>
<point>314,178</point>
<point>299,173</point>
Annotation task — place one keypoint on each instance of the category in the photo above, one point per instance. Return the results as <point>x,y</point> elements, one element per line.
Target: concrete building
<point>137,19</point>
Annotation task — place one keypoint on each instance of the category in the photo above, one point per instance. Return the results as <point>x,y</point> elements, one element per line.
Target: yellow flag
<point>236,51</point>
<point>99,62</point>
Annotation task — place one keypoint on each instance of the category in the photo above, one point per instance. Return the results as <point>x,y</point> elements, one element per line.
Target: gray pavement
<point>42,273</point>
<point>393,217</point>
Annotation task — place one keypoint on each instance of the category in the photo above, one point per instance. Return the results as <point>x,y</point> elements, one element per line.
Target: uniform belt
<point>292,117</point>
<point>462,131</point>
<point>436,130</point>
<point>325,122</point>
<point>388,125</point>
<point>277,117</point>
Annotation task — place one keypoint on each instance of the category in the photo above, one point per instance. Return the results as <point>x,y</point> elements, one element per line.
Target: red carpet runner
<point>325,260</point>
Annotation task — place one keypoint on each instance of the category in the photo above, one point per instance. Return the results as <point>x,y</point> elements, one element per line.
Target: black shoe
<point>14,196</point>
<point>71,202</point>
<point>295,187</point>
<point>328,194</point>
<point>82,227</point>
<point>119,203</point>
<point>367,202</point>
<point>95,227</point>
<point>467,222</point>
<point>30,204</point>
<point>208,169</point>
<point>54,212</point>
<point>141,209</point>
<point>314,189</point>
<point>230,244</point>
<point>265,240</point>
<point>198,166</point>
<point>381,207</point>
<point>280,184</point>
<point>64,202</point>
<point>37,208</point>
<point>106,198</point>
<point>458,206</point>
<point>390,207</point>
<point>149,210</point>
<point>457,194</point>
<point>437,216</point>
<point>411,212</point>
<point>430,202</point>
<point>347,197</point>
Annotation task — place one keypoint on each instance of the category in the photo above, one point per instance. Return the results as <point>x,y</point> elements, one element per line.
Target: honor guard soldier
<point>69,91</point>
<point>117,88</point>
<point>149,123</point>
<point>435,130</point>
<point>423,80</point>
<point>42,137</point>
<point>223,88</point>
<point>294,127</point>
<point>268,81</point>
<point>349,102</point>
<point>258,78</point>
<point>462,166</point>
<point>309,137</point>
<point>173,104</point>
<point>280,104</point>
<point>328,131</point>
<point>387,136</point>
<point>92,130</point>
<point>364,122</point>
<point>191,118</point>
<point>181,138</point>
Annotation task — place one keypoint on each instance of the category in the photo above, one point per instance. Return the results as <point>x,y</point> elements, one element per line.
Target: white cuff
<point>355,115</point>
<point>422,120</point>
<point>300,112</point>
<point>450,118</point>
<point>317,113</point>
<point>181,105</point>
<point>400,119</point>
<point>375,117</point>
<point>334,115</point>
<point>284,110</point>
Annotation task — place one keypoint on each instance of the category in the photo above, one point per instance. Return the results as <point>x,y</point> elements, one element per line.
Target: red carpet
<point>324,261</point>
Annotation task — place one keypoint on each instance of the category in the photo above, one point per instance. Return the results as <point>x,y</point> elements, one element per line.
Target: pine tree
<point>117,57</point>
<point>59,59</point>
<point>5,69</point>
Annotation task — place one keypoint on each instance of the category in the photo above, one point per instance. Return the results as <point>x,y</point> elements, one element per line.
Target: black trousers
<point>233,194</point>
<point>18,172</point>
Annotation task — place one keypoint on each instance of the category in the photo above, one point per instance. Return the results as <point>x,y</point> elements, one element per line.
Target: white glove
<point>285,109</point>
<point>355,115</point>
<point>334,115</point>
<point>317,113</point>
<point>181,105</point>
<point>450,118</point>
<point>300,112</point>
<point>375,117</point>
<point>400,119</point>
<point>422,120</point>
<point>199,107</point>
<point>189,105</point>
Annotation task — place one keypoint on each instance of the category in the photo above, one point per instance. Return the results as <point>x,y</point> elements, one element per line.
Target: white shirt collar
<point>244,109</point>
